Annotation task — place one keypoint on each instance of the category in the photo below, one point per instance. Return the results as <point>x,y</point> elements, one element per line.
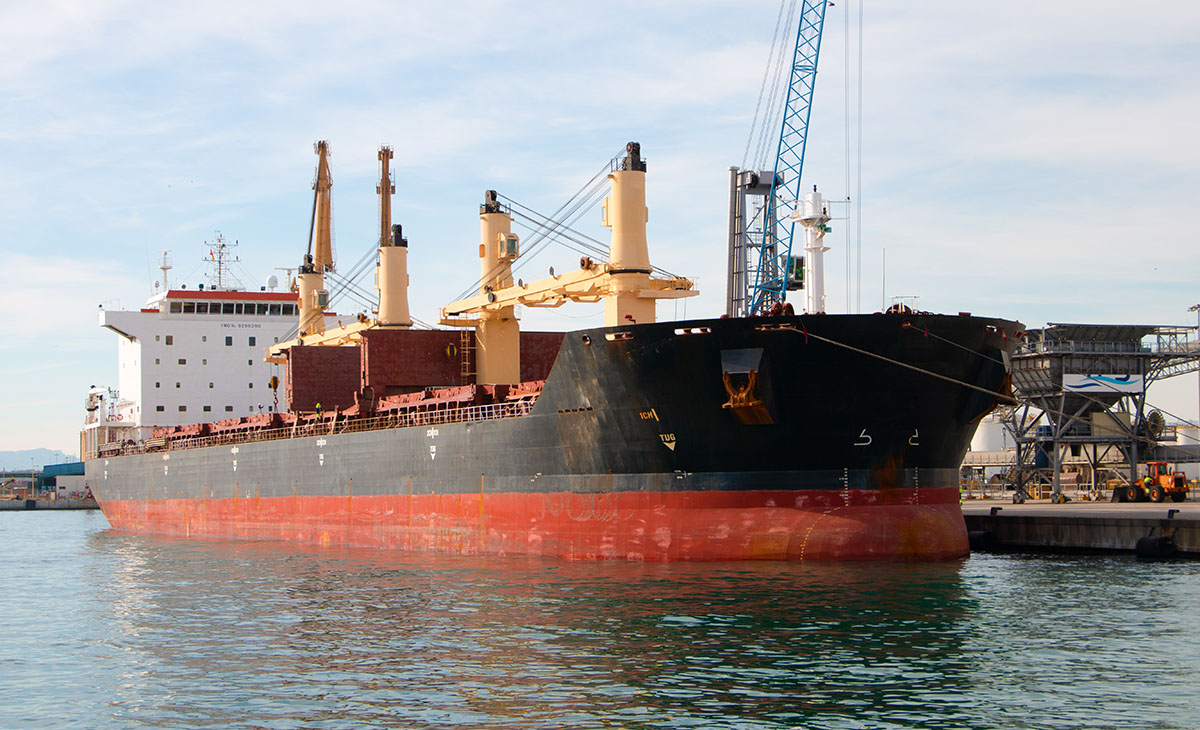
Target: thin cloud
<point>1011,153</point>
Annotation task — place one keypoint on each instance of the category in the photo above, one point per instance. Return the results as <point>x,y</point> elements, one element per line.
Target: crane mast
<point>762,268</point>
<point>311,274</point>
<point>385,188</point>
<point>321,231</point>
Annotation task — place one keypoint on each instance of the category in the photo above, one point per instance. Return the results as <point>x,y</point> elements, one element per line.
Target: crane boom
<point>320,238</point>
<point>774,249</point>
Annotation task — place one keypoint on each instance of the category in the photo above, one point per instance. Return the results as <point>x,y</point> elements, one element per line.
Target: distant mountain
<point>20,460</point>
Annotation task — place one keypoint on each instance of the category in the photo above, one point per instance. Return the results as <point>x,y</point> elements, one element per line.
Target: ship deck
<point>335,423</point>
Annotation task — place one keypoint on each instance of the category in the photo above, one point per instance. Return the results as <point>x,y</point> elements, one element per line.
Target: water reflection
<point>109,630</point>
<point>298,637</point>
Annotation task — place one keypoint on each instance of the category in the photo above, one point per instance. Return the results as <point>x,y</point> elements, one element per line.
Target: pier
<point>14,505</point>
<point>1148,529</point>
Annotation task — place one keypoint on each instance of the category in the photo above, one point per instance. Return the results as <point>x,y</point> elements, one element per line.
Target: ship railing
<point>401,419</point>
<point>463,414</point>
<point>1080,346</point>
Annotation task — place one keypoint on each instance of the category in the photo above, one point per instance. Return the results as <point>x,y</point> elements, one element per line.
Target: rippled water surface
<point>111,630</point>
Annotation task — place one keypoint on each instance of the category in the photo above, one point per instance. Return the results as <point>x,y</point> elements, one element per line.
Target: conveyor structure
<point>1082,393</point>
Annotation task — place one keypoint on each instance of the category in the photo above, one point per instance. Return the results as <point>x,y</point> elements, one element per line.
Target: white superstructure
<point>195,356</point>
<point>191,356</point>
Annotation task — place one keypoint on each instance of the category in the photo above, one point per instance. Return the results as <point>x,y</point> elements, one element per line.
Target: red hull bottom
<point>701,525</point>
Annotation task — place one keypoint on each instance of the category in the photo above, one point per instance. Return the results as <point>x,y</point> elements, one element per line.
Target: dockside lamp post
<point>1196,308</point>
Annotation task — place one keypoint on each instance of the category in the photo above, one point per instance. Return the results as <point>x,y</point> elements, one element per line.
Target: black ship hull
<point>808,437</point>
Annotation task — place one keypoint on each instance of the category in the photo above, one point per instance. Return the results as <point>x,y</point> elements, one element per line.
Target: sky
<point>1031,160</point>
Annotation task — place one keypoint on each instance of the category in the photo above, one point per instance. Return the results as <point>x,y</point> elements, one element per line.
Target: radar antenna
<point>220,259</point>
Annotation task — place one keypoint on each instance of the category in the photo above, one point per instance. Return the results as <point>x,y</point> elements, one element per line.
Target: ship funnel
<point>625,212</point>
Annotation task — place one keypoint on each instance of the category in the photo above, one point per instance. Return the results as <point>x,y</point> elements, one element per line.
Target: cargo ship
<point>786,437</point>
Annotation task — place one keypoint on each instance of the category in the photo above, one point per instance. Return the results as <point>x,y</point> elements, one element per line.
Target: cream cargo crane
<point>625,283</point>
<point>391,272</point>
<point>311,277</point>
<point>391,275</point>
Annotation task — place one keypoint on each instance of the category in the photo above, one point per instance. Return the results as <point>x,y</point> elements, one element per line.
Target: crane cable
<point>776,99</point>
<point>533,246</point>
<point>573,203</point>
<point>772,73</point>
<point>348,284</point>
<point>584,243</point>
<point>552,229</point>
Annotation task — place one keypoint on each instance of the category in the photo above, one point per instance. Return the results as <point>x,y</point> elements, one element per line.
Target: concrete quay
<point>1146,528</point>
<point>13,505</point>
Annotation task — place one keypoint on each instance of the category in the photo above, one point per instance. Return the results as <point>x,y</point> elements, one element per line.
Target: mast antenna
<point>220,258</point>
<point>164,267</point>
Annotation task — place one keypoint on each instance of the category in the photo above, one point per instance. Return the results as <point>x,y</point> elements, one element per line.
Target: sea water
<point>113,630</point>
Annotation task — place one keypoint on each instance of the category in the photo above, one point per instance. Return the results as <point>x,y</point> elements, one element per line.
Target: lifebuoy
<point>119,416</point>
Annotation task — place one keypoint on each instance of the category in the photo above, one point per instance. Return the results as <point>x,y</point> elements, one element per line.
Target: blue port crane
<point>773,251</point>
